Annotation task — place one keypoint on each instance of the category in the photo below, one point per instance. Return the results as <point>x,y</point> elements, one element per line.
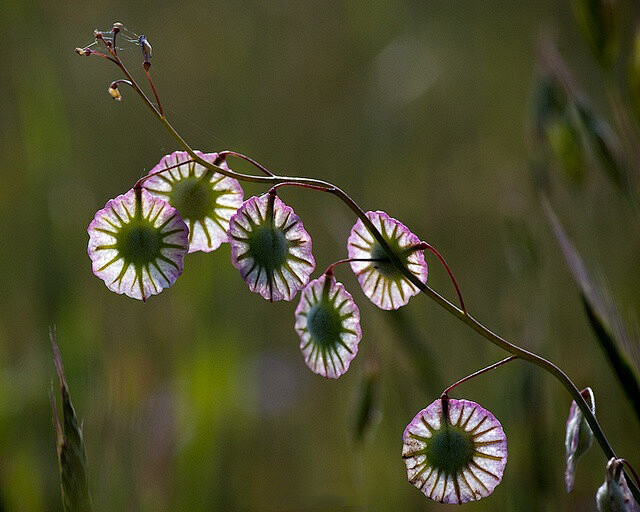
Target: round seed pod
<point>270,248</point>
<point>328,323</point>
<point>205,199</point>
<point>455,451</point>
<point>137,244</point>
<point>381,280</point>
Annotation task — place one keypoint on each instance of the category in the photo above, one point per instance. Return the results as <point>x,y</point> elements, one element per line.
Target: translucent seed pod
<point>137,244</point>
<point>579,436</point>
<point>455,451</point>
<point>205,199</point>
<point>328,323</point>
<point>270,248</point>
<point>381,280</point>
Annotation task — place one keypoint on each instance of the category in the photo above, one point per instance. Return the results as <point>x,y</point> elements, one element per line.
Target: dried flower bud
<point>579,437</point>
<point>115,93</point>
<point>85,52</point>
<point>614,494</point>
<point>146,51</point>
<point>117,27</point>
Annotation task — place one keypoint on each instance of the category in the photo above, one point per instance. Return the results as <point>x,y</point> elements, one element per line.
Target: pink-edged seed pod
<point>328,323</point>
<point>455,451</point>
<point>137,244</point>
<point>206,199</point>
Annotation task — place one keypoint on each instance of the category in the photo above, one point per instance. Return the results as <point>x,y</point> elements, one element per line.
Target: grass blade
<point>72,459</point>
<point>603,315</point>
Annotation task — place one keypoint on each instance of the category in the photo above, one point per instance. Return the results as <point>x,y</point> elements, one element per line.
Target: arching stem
<point>460,314</point>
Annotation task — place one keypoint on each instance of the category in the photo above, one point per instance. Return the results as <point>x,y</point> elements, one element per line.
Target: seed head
<point>270,247</point>
<point>328,323</point>
<point>381,280</point>
<point>205,199</point>
<point>455,451</point>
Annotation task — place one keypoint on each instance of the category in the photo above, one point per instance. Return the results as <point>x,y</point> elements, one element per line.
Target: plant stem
<point>460,314</point>
<point>479,372</point>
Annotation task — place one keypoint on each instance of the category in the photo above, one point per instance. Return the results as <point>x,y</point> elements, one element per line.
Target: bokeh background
<point>200,399</point>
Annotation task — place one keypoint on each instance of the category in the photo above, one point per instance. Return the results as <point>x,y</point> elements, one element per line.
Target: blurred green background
<point>200,399</point>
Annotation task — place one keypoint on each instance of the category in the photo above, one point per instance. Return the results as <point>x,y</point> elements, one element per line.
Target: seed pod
<point>579,436</point>
<point>328,323</point>
<point>381,280</point>
<point>270,248</point>
<point>455,451</point>
<point>137,244</point>
<point>205,199</point>
<point>614,494</point>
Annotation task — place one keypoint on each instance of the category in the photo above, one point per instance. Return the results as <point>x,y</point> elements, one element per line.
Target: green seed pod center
<point>193,198</point>
<point>324,324</point>
<point>385,267</point>
<point>450,449</point>
<point>139,242</point>
<point>269,247</point>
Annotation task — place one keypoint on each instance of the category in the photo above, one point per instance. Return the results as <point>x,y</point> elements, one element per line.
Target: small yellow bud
<point>115,93</point>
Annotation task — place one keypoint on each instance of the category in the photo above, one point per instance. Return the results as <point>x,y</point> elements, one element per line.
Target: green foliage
<point>600,24</point>
<point>603,316</point>
<point>72,459</point>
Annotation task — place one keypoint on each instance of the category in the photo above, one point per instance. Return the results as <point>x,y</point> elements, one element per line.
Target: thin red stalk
<point>633,471</point>
<point>330,268</point>
<point>475,374</point>
<point>153,88</point>
<point>99,54</point>
<point>248,159</point>
<point>451,276</point>
<point>322,188</point>
<point>122,81</point>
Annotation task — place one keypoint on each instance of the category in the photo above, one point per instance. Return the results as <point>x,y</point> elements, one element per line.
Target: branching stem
<point>460,314</point>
